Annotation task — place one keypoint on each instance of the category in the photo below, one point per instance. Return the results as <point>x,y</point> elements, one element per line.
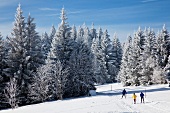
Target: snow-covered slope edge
<point>108,100</point>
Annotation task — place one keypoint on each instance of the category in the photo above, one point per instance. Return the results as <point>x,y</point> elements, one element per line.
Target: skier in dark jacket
<point>142,97</point>
<point>124,93</point>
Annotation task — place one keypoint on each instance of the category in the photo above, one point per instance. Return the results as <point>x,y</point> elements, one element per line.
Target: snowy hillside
<point>107,100</point>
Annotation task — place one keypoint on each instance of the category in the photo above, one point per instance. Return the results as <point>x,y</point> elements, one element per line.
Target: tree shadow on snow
<point>119,92</point>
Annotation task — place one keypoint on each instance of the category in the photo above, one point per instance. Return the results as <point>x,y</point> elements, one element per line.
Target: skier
<point>124,93</point>
<point>134,98</point>
<point>142,97</point>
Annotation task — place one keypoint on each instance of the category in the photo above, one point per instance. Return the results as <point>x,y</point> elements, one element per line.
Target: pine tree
<point>163,41</point>
<point>141,37</point>
<point>46,43</point>
<point>105,46</point>
<point>62,44</point>
<point>118,48</point>
<point>93,34</point>
<point>47,40</point>
<point>62,47</point>
<point>34,54</point>
<point>167,69</point>
<point>87,37</point>
<point>125,72</point>
<point>52,34</point>
<point>81,69</point>
<point>73,33</point>
<point>148,57</point>
<point>97,61</point>
<point>1,56</point>
<point>25,55</point>
<point>116,55</point>
<point>33,46</point>
<point>80,34</point>
<point>16,62</point>
<point>11,93</point>
<point>100,34</point>
<point>38,89</point>
<point>3,78</point>
<point>134,58</point>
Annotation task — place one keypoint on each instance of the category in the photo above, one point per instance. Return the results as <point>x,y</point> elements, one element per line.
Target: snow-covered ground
<point>107,100</point>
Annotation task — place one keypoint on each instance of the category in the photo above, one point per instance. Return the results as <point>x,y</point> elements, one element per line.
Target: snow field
<point>108,100</point>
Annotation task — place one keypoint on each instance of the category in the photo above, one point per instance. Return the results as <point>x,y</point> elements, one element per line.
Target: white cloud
<point>146,1</point>
<point>48,9</point>
<point>55,14</point>
<point>67,12</point>
<point>74,12</point>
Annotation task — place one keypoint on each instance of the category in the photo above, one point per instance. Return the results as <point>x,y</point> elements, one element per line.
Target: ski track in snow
<point>107,100</point>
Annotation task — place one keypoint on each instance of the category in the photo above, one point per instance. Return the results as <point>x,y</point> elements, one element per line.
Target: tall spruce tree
<point>74,32</point>
<point>3,78</point>
<point>125,71</point>
<point>134,60</point>
<point>2,55</point>
<point>105,46</point>
<point>62,47</point>
<point>148,57</point>
<point>45,43</point>
<point>87,37</point>
<point>34,54</point>
<point>62,42</point>
<point>93,34</point>
<point>97,61</point>
<point>52,34</point>
<point>81,69</point>
<point>24,55</point>
<point>163,48</point>
<point>116,56</point>
<point>16,62</point>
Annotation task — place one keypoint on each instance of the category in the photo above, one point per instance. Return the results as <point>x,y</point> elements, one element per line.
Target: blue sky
<point>120,16</point>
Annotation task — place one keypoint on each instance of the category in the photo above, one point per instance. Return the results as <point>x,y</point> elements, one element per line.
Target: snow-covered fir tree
<point>80,34</point>
<point>1,55</point>
<point>167,69</point>
<point>116,55</point>
<point>97,61</point>
<point>62,47</point>
<point>11,93</point>
<point>82,69</point>
<point>124,73</point>
<point>87,37</point>
<point>52,33</point>
<point>106,47</point>
<point>100,34</point>
<point>3,78</point>
<point>163,48</point>
<point>46,43</point>
<point>134,58</point>
<point>143,64</point>
<point>141,37</point>
<point>93,34</point>
<point>47,40</point>
<point>17,65</point>
<point>62,44</point>
<point>74,32</point>
<point>34,54</point>
<point>39,87</point>
<point>25,53</point>
<point>148,57</point>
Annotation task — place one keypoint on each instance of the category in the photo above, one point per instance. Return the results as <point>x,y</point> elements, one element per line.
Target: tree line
<point>146,58</point>
<point>64,63</point>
